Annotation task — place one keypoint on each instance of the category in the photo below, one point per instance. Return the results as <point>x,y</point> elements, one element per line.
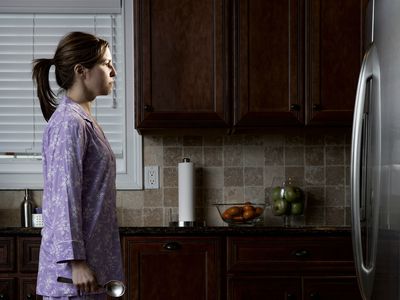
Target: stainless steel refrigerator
<point>375,157</point>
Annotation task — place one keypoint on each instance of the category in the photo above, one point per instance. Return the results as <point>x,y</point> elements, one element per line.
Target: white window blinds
<point>60,6</point>
<point>25,37</point>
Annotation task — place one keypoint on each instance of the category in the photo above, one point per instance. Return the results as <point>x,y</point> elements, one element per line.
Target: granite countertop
<point>203,231</point>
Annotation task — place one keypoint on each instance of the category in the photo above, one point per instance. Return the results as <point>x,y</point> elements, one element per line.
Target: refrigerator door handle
<point>365,273</point>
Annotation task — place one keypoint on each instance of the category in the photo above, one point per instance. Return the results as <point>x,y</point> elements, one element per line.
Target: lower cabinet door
<point>27,289</point>
<point>30,248</point>
<point>331,288</point>
<point>7,288</point>
<point>266,288</point>
<point>172,268</point>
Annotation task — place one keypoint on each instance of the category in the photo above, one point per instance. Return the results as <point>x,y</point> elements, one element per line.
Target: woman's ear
<point>79,70</point>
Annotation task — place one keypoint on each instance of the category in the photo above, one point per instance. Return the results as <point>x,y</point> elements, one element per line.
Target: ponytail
<point>47,98</point>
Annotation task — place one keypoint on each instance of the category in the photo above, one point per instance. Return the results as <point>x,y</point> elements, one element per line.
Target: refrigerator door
<point>375,166</point>
<point>387,41</point>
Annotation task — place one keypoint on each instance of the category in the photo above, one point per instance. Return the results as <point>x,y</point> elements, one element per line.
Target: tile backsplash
<point>233,168</point>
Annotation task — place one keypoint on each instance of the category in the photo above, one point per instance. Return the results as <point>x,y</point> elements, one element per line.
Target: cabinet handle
<point>148,108</point>
<point>301,253</point>
<point>316,107</point>
<point>290,297</point>
<point>315,296</point>
<point>295,107</point>
<point>3,297</point>
<point>29,297</point>
<point>172,246</point>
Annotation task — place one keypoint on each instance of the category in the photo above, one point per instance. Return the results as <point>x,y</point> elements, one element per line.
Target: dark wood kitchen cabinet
<point>181,61</point>
<point>268,58</point>
<point>297,61</point>
<point>19,257</point>
<point>210,263</point>
<point>284,268</point>
<point>7,266</point>
<point>246,64</point>
<point>335,36</point>
<point>172,268</point>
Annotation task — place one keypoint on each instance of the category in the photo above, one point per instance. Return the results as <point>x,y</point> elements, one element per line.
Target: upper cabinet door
<point>335,50</point>
<point>268,63</point>
<point>181,63</point>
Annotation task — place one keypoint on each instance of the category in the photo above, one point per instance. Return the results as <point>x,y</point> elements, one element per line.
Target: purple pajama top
<point>79,201</point>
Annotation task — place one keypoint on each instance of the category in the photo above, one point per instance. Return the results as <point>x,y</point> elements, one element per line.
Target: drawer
<point>29,247</point>
<point>7,254</point>
<point>264,287</point>
<point>290,255</point>
<point>332,288</point>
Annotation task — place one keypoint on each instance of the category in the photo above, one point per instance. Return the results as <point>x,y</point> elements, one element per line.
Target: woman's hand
<point>83,277</point>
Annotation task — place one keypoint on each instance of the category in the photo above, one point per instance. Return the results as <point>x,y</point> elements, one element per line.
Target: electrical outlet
<point>151,177</point>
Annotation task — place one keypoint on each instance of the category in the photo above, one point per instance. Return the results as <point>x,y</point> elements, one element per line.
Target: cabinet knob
<point>290,297</point>
<point>302,253</point>
<point>315,296</point>
<point>148,108</point>
<point>172,246</point>
<point>295,107</point>
<point>29,297</point>
<point>3,297</point>
<point>316,107</point>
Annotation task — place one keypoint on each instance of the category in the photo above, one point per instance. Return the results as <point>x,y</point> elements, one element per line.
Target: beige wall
<point>234,168</point>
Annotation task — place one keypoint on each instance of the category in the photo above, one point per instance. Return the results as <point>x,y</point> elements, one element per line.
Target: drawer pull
<point>302,253</point>
<point>172,246</point>
<point>148,108</point>
<point>317,107</point>
<point>295,107</point>
<point>315,296</point>
<point>290,297</point>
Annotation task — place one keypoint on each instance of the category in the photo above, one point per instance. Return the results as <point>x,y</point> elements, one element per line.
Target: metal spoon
<point>114,288</point>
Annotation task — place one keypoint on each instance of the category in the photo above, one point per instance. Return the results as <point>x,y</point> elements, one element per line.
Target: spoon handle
<point>68,280</point>
<point>64,280</point>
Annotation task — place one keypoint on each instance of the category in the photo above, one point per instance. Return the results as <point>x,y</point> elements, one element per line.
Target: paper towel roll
<point>186,191</point>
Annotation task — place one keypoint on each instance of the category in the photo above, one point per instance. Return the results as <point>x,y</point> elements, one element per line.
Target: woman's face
<point>100,78</point>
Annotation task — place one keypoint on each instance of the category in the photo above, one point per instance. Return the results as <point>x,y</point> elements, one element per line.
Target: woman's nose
<point>113,71</point>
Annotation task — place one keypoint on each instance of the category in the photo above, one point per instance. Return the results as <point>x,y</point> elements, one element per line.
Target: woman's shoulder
<point>66,117</point>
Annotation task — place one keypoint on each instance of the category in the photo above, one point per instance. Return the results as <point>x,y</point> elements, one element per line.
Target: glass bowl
<point>287,199</point>
<point>241,214</point>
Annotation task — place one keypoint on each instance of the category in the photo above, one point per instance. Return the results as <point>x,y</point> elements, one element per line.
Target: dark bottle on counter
<point>26,210</point>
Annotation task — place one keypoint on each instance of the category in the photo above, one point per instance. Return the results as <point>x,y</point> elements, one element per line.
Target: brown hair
<point>74,48</point>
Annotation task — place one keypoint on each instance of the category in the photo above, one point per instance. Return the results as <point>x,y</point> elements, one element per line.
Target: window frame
<point>132,178</point>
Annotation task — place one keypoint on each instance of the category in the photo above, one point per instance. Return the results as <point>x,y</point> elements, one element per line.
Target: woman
<point>80,237</point>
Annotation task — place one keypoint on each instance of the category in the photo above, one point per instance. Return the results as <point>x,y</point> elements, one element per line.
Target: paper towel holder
<point>174,223</point>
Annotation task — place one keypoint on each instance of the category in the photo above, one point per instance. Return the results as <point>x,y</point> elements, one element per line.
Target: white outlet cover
<point>151,177</point>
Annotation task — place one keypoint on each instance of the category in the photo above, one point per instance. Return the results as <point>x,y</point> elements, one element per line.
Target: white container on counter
<point>186,192</point>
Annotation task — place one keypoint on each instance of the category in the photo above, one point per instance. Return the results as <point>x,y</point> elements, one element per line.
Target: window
<point>32,30</point>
